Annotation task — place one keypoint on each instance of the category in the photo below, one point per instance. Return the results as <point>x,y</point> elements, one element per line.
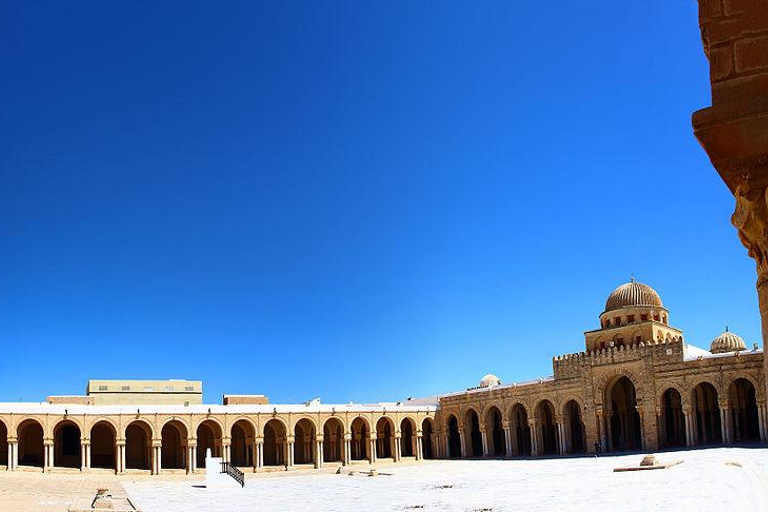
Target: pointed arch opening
<point>672,419</point>
<point>408,438</point>
<point>66,445</point>
<point>138,446</point>
<point>361,437</point>
<point>625,419</point>
<point>304,440</point>
<point>576,441</point>
<point>547,430</point>
<point>427,438</point>
<point>103,446</point>
<point>174,443</point>
<point>521,431</point>
<point>30,434</point>
<point>706,412</point>
<point>744,412</point>
<point>385,438</point>
<point>241,449</point>
<point>454,438</point>
<point>333,440</point>
<point>274,443</point>
<point>473,434</point>
<point>208,438</point>
<point>495,432</point>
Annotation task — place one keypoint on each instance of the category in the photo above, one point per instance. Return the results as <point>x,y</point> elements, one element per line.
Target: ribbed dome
<point>632,294</point>
<point>727,342</point>
<point>489,381</point>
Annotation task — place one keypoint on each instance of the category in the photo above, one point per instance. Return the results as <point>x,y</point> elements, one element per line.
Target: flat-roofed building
<point>145,392</point>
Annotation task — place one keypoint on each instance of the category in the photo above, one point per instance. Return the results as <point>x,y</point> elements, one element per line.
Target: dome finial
<point>726,327</point>
<point>632,277</point>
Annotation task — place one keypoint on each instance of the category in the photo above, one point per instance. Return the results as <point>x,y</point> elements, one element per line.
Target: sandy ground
<point>717,479</point>
<point>25,492</point>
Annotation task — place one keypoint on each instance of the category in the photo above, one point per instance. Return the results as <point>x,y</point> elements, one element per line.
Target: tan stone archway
<point>275,443</point>
<point>209,437</point>
<point>744,412</point>
<point>706,414</point>
<point>520,430</point>
<point>428,436</point>
<point>243,434</point>
<point>67,447</point>
<point>138,446</point>
<point>408,447</point>
<point>173,445</point>
<point>103,447</point>
<point>494,433</point>
<point>385,438</point>
<point>305,436</point>
<point>31,448</point>
<point>361,439</point>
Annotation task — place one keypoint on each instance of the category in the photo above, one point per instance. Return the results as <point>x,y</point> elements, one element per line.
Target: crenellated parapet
<point>571,366</point>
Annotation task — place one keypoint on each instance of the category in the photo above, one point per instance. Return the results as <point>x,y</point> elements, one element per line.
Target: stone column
<point>319,453</point>
<point>725,427</point>
<point>601,427</point>
<point>534,437</point>
<point>85,455</point>
<point>372,449</point>
<point>121,457</point>
<point>560,438</point>
<point>227,450</point>
<point>734,130</point>
<point>687,413</point>
<point>507,440</point>
<point>484,438</point>
<point>47,456</point>
<point>14,459</point>
<point>347,453</point>
<point>289,452</point>
<point>761,417</point>
<point>397,441</point>
<point>9,467</point>
<point>259,453</point>
<point>462,442</point>
<point>419,446</point>
<point>643,430</point>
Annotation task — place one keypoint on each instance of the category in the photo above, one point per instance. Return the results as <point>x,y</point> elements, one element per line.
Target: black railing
<point>235,473</point>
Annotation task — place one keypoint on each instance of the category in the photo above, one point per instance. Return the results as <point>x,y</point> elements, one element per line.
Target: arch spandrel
<point>68,419</point>
<point>143,421</point>
<point>236,419</point>
<point>103,419</point>
<point>606,381</point>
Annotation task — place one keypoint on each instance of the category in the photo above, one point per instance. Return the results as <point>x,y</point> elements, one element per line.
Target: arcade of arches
<point>638,386</point>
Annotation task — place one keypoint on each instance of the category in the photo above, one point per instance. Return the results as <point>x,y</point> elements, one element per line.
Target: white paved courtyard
<point>718,479</point>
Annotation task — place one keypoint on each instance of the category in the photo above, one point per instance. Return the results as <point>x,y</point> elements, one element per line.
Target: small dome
<point>727,342</point>
<point>489,380</point>
<point>633,294</point>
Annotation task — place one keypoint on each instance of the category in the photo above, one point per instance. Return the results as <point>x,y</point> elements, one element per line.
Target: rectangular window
<point>617,320</point>
<point>189,388</point>
<point>656,318</point>
<point>643,318</point>
<point>102,388</point>
<point>630,318</point>
<point>125,388</point>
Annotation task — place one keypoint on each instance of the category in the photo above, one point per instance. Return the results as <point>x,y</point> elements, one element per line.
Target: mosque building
<point>638,385</point>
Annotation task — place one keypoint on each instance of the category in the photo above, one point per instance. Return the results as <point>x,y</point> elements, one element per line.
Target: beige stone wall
<point>588,378</point>
<point>216,425</point>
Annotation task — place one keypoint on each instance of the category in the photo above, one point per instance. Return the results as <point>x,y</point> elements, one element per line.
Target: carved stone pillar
<point>734,130</point>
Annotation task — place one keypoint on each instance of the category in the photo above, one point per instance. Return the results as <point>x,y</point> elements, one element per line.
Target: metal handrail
<point>235,473</point>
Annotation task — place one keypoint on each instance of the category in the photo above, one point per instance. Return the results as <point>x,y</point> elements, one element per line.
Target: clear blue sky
<point>351,200</point>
